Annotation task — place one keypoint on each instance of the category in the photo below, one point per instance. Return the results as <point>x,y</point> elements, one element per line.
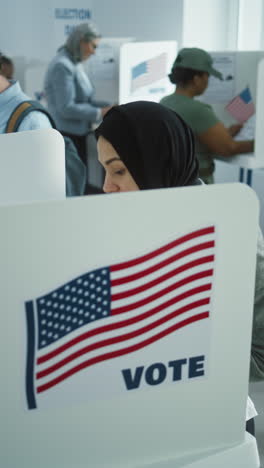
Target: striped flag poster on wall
<point>120,312</point>
<point>149,71</point>
<point>242,106</point>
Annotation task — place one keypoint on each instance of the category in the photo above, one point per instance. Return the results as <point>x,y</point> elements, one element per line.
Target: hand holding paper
<point>235,129</point>
<point>248,130</point>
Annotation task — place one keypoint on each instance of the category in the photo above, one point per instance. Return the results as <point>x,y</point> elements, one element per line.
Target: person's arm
<point>64,95</point>
<point>234,129</point>
<point>219,141</point>
<point>98,103</point>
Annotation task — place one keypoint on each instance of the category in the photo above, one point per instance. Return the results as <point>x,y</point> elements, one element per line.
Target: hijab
<point>154,143</point>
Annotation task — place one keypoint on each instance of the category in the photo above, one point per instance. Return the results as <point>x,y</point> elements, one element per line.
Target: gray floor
<point>256,391</point>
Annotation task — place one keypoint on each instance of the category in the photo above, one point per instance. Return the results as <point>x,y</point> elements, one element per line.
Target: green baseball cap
<point>196,59</point>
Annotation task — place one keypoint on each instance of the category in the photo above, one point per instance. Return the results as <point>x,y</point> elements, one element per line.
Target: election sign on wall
<point>65,20</point>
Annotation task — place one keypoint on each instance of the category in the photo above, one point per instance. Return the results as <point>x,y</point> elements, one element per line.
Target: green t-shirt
<point>200,117</point>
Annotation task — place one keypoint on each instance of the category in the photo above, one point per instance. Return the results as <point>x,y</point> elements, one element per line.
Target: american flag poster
<point>242,106</point>
<point>98,323</point>
<point>148,72</point>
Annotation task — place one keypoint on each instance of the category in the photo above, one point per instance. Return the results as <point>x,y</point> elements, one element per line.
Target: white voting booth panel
<point>103,68</point>
<point>155,375</point>
<point>240,69</point>
<point>144,68</point>
<point>259,134</point>
<point>32,166</point>
<point>34,75</point>
<point>30,74</point>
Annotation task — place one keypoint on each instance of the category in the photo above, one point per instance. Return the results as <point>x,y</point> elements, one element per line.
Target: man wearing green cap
<point>190,72</point>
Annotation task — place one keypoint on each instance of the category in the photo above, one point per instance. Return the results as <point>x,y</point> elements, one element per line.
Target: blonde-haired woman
<point>68,90</point>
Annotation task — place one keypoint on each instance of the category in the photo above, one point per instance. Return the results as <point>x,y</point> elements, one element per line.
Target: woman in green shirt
<point>190,73</point>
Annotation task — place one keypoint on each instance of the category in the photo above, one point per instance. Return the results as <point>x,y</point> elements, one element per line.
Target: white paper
<point>251,411</point>
<point>247,132</point>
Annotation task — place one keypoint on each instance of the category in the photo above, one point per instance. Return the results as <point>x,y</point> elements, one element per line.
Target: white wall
<point>250,29</point>
<point>30,28</point>
<point>210,24</point>
<point>146,20</point>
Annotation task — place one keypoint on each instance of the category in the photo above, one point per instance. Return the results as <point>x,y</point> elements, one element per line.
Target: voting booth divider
<point>240,69</point>
<point>32,166</point>
<point>126,329</point>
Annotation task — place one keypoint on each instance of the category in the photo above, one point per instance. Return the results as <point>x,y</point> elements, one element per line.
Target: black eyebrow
<point>111,160</point>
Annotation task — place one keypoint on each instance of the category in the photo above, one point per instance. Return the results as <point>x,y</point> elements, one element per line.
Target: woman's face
<point>7,70</point>
<point>117,176</point>
<point>201,83</point>
<point>88,48</point>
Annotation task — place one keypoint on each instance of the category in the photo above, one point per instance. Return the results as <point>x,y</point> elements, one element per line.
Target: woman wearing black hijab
<point>143,145</point>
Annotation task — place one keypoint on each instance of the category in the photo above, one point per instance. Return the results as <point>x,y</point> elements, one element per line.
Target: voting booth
<point>122,71</point>
<point>32,166</point>
<point>240,69</point>
<point>120,344</point>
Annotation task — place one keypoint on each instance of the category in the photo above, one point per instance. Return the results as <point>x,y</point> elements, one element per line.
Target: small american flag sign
<point>117,310</point>
<point>149,71</point>
<point>242,106</point>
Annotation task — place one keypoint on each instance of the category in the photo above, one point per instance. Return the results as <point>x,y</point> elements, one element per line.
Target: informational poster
<point>103,68</point>
<point>221,90</point>
<point>144,69</point>
<point>102,64</point>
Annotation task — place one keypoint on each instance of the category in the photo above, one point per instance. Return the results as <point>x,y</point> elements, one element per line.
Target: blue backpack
<point>75,169</point>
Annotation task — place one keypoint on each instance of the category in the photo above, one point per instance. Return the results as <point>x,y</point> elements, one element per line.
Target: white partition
<point>103,68</point>
<point>144,69</point>
<point>259,134</point>
<point>32,166</point>
<point>34,75</point>
<point>163,386</point>
<point>240,69</point>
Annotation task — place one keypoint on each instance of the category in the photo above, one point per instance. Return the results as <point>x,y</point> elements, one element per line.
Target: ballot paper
<point>247,132</point>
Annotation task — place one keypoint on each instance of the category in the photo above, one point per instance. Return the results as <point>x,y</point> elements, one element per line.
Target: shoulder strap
<point>20,113</point>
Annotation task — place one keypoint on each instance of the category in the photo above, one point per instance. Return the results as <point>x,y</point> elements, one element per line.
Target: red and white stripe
<point>240,110</point>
